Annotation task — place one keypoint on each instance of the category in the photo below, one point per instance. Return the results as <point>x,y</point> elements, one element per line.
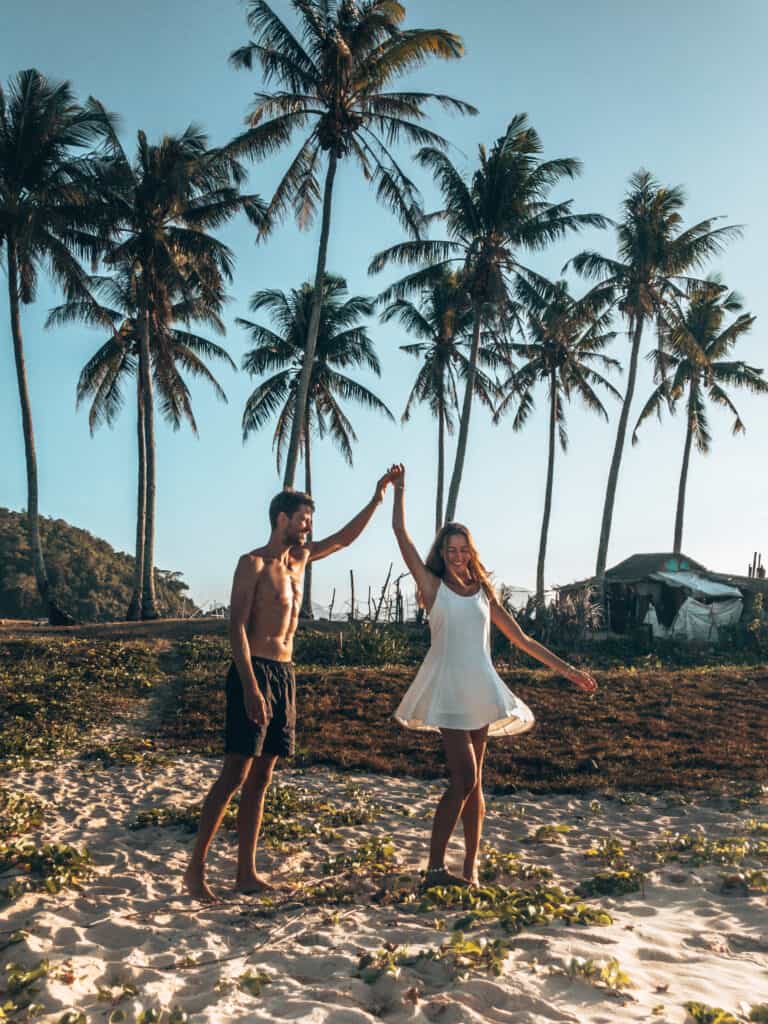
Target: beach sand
<point>129,942</point>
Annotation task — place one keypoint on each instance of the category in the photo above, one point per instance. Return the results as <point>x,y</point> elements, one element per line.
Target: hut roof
<point>638,567</point>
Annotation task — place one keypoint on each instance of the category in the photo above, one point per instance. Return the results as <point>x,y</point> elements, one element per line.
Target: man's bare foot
<point>197,887</point>
<point>442,877</point>
<point>256,884</point>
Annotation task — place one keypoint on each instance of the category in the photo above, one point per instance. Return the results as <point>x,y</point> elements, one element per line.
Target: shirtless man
<point>260,686</point>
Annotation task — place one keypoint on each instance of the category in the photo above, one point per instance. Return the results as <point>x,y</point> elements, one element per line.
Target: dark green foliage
<point>92,580</point>
<point>52,867</point>
<point>611,883</point>
<point>53,693</point>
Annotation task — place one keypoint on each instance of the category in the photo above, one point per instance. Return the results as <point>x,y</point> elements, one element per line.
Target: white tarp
<point>698,621</point>
<point>652,619</point>
<point>697,584</point>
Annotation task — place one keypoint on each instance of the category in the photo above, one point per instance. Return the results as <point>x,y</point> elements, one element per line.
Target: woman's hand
<point>583,680</point>
<point>396,474</point>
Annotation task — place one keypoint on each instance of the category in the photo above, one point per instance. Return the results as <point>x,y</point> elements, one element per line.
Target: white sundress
<point>457,686</point>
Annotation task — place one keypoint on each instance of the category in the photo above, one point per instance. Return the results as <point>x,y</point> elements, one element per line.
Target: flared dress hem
<point>510,725</point>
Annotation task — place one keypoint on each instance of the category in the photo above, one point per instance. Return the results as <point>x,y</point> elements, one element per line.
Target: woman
<point>457,690</point>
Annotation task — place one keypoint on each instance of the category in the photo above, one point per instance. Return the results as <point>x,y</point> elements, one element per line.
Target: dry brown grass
<point>683,729</point>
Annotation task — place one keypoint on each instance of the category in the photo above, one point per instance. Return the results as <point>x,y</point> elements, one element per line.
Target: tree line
<point>487,328</point>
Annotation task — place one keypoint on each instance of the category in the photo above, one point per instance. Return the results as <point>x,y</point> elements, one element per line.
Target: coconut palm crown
<point>502,211</point>
<point>47,221</point>
<point>563,350</point>
<point>656,256</point>
<point>161,210</point>
<point>333,75</point>
<point>691,364</point>
<point>442,321</point>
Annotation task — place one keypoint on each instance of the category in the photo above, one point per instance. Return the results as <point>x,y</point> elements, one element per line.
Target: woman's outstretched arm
<point>425,580</point>
<point>509,627</point>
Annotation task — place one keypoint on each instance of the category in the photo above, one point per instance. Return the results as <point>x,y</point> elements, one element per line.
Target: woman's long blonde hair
<point>477,571</point>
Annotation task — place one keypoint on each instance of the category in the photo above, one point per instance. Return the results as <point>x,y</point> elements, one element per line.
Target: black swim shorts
<point>277,683</point>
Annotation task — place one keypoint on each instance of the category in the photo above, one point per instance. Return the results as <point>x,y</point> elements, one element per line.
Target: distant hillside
<point>91,580</point>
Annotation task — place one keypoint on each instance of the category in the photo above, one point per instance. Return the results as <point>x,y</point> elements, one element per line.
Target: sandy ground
<point>129,942</point>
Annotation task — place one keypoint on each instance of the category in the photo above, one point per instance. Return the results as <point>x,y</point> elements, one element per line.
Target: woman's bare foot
<point>197,887</point>
<point>255,884</point>
<point>443,877</point>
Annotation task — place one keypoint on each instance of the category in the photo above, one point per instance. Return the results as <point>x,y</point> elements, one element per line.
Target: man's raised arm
<point>349,533</point>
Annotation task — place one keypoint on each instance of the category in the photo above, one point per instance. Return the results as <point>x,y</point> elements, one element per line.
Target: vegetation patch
<point>290,813</point>
<point>496,865</point>
<point>55,694</point>
<point>611,883</point>
<point>606,974</point>
<point>51,868</point>
<point>19,813</point>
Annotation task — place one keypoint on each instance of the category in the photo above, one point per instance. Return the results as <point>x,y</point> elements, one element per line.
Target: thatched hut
<point>671,595</point>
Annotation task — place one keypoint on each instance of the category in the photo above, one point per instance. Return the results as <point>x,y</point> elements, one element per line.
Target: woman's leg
<point>473,812</point>
<point>462,769</point>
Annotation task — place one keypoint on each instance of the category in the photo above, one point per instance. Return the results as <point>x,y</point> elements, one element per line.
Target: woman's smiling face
<point>456,552</point>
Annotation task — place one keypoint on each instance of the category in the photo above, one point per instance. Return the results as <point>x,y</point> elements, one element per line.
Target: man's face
<point>299,526</point>
<point>456,552</point>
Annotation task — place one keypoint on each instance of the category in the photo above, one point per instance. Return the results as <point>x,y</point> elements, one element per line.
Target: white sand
<point>681,940</point>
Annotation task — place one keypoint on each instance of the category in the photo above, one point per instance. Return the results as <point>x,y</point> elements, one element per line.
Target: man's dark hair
<point>288,502</point>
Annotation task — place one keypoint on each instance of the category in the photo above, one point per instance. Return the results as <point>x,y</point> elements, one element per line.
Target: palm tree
<point>694,341</point>
<point>47,222</point>
<point>502,210</point>
<point>442,321</point>
<point>160,210</point>
<point>341,343</point>
<point>332,75</point>
<point>655,255</point>
<point>566,338</point>
<point>173,349</point>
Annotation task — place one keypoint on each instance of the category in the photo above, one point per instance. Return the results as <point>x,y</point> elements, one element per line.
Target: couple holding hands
<point>456,690</point>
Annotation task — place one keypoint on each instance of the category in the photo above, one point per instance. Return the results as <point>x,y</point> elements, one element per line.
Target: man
<point>260,686</point>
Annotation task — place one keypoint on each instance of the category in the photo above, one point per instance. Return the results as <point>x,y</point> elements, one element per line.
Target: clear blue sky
<point>677,88</point>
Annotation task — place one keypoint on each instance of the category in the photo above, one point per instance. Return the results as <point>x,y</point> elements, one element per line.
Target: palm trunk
<point>33,522</point>
<point>461,444</point>
<point>440,467</point>
<point>680,514</point>
<point>302,392</point>
<point>306,604</point>
<point>547,491</point>
<point>148,599</point>
<point>134,609</point>
<point>618,451</point>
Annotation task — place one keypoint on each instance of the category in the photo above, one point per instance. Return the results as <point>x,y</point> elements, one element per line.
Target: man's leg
<point>473,812</point>
<point>233,774</point>
<point>249,823</point>
<point>462,768</point>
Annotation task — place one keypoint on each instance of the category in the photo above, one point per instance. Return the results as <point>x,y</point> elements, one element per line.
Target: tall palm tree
<point>690,365</point>
<point>161,209</point>
<point>173,350</point>
<point>46,221</point>
<point>565,341</point>
<point>655,256</point>
<point>332,75</point>
<point>342,342</point>
<point>442,320</point>
<point>504,209</point>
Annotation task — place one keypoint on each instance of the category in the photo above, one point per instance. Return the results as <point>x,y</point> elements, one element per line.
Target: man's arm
<point>240,609</point>
<point>349,533</point>
<point>509,627</point>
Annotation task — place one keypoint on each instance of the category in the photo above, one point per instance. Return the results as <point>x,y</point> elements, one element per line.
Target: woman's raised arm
<point>425,580</point>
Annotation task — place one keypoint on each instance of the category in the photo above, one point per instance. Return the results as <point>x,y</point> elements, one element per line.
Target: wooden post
<point>330,607</point>
<point>352,598</point>
<point>383,592</point>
